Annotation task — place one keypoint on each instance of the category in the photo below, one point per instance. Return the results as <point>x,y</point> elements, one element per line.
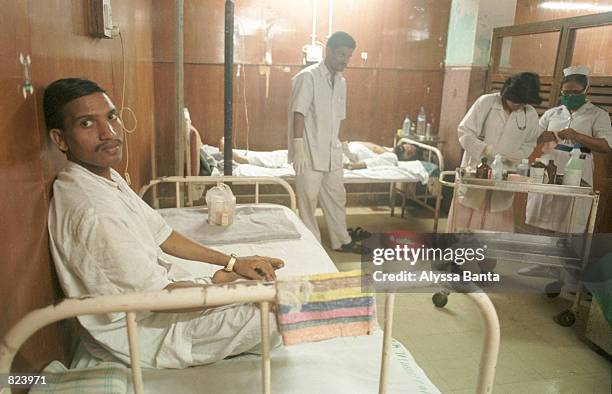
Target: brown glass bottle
<point>551,171</point>
<point>483,169</point>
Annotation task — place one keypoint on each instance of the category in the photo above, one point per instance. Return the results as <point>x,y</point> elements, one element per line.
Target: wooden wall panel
<point>533,10</point>
<point>414,33</point>
<point>536,52</point>
<point>26,276</point>
<point>404,41</point>
<point>62,47</point>
<point>593,47</point>
<point>54,33</point>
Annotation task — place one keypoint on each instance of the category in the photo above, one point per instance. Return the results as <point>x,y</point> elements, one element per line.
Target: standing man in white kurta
<point>316,109</point>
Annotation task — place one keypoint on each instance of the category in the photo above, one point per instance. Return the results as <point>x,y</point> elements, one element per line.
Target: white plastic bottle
<point>406,126</point>
<point>421,122</point>
<point>573,169</point>
<point>523,168</point>
<point>497,168</point>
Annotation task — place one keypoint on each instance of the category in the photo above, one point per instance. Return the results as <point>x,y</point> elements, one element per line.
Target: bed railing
<point>432,149</point>
<point>263,293</point>
<point>256,181</point>
<point>421,199</point>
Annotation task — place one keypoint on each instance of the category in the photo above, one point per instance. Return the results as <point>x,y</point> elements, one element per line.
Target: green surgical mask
<point>573,102</point>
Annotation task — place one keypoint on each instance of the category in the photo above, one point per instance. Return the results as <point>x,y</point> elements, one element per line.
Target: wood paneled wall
<point>528,11</point>
<point>404,41</point>
<point>536,52</point>
<point>55,35</point>
<point>62,47</point>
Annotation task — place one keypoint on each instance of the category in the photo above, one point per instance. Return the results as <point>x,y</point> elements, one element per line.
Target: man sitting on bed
<point>105,240</point>
<point>357,155</point>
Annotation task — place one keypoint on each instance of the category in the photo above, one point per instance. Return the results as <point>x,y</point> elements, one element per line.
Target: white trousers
<point>328,189</point>
<point>227,331</point>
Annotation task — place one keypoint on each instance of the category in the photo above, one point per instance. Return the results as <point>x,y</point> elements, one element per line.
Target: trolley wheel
<point>553,289</point>
<point>440,299</point>
<point>565,318</point>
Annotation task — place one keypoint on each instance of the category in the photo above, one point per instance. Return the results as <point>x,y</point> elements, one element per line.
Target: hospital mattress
<point>348,365</point>
<point>341,365</point>
<point>406,171</point>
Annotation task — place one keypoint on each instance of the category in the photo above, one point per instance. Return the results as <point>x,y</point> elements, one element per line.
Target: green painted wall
<point>461,32</point>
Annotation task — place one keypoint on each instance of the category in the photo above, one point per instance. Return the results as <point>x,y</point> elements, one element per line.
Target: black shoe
<point>353,247</point>
<point>359,234</point>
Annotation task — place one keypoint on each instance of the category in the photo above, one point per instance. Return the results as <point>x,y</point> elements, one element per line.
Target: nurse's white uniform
<point>512,135</point>
<point>552,212</point>
<point>324,107</point>
<point>105,240</point>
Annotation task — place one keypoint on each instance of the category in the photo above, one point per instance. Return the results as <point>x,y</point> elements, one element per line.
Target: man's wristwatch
<point>230,266</point>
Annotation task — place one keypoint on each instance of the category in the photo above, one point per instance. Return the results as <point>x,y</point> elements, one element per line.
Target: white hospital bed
<point>406,172</point>
<point>343,365</point>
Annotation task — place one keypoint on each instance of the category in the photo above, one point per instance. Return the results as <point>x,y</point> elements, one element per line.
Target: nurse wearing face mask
<point>576,121</point>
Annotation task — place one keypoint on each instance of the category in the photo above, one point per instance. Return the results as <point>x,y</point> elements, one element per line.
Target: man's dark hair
<point>522,88</point>
<point>580,79</point>
<point>61,92</point>
<point>399,152</point>
<point>341,39</point>
<point>398,149</point>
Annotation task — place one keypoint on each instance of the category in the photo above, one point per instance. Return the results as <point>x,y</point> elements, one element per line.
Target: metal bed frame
<point>420,199</point>
<point>550,251</point>
<point>244,180</point>
<point>203,296</point>
<point>263,293</point>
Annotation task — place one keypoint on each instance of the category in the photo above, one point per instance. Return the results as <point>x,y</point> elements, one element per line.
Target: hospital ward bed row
<point>362,364</point>
<point>403,177</point>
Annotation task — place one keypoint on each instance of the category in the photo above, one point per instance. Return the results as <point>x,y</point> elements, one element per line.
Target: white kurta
<point>324,108</point>
<point>105,240</point>
<point>552,212</point>
<point>513,136</point>
<point>323,105</point>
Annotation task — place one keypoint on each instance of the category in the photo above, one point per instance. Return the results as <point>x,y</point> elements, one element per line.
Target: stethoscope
<point>524,123</point>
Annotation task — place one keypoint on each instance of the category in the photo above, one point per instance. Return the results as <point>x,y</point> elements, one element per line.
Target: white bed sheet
<point>341,365</point>
<point>406,171</point>
<point>302,256</point>
<point>348,365</point>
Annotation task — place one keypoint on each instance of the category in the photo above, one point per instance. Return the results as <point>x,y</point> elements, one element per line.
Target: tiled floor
<point>536,355</point>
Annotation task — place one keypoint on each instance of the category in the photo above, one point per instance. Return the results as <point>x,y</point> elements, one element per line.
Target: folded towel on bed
<point>251,224</point>
<point>325,306</point>
<point>105,378</point>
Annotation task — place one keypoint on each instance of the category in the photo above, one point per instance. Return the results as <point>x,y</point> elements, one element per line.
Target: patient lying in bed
<point>357,155</point>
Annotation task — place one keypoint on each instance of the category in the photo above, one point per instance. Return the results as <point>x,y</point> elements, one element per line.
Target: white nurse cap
<point>583,70</point>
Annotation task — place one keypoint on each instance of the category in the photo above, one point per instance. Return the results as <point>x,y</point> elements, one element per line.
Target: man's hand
<point>549,146</point>
<point>299,156</point>
<point>488,151</point>
<point>567,134</point>
<point>548,136</point>
<point>258,267</point>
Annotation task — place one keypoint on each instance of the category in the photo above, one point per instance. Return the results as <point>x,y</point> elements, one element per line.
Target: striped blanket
<point>105,378</point>
<point>324,306</point>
